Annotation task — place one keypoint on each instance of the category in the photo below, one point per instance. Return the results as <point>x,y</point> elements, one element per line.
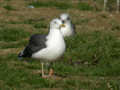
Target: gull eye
<point>63,21</point>
<point>68,18</point>
<point>55,22</point>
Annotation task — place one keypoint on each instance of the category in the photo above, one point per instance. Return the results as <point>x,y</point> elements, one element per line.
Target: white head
<point>65,18</point>
<point>55,23</point>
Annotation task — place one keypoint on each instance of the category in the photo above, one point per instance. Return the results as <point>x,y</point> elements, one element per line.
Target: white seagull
<point>69,29</point>
<point>47,48</point>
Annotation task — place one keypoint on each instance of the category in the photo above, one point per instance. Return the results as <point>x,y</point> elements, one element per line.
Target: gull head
<point>56,24</point>
<point>65,18</point>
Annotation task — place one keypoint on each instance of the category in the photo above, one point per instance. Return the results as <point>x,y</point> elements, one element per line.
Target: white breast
<point>55,47</point>
<point>67,30</point>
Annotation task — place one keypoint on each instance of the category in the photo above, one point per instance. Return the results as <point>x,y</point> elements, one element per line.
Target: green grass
<point>84,7</point>
<point>95,52</point>
<point>91,55</point>
<point>12,34</point>
<point>8,7</point>
<point>13,44</point>
<point>15,74</point>
<point>82,21</point>
<point>7,0</point>
<point>115,26</point>
<point>29,21</point>
<point>58,5</point>
<point>40,25</point>
<point>62,5</point>
<point>91,60</point>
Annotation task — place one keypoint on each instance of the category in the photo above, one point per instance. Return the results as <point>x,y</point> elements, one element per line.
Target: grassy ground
<point>92,58</point>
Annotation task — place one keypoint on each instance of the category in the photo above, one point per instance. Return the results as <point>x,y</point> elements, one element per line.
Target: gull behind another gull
<point>69,29</point>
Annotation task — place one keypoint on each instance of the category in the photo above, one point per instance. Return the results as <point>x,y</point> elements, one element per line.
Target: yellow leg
<point>42,69</point>
<point>51,72</point>
<point>43,73</point>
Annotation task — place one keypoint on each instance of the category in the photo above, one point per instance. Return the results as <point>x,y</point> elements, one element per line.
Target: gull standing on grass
<point>47,48</point>
<point>69,29</point>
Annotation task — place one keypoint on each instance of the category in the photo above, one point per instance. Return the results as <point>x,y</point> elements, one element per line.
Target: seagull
<point>69,29</point>
<point>47,48</point>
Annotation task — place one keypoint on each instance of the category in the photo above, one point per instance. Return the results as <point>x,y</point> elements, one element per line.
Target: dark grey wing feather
<point>36,43</point>
<point>74,28</point>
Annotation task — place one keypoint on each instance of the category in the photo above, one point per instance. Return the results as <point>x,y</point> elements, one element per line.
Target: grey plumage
<point>36,43</point>
<point>74,28</point>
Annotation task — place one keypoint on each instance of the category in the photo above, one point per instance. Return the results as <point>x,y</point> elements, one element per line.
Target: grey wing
<point>37,42</point>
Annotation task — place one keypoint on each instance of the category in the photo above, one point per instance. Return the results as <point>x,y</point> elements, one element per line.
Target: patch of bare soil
<point>10,50</point>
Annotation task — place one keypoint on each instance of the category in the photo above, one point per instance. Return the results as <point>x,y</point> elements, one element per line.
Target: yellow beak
<point>62,25</point>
